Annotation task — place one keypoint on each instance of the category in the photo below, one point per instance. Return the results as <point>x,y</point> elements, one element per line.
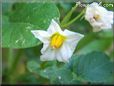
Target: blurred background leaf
<point>39,14</point>
<point>93,42</point>
<point>94,67</point>
<point>56,74</point>
<point>21,18</point>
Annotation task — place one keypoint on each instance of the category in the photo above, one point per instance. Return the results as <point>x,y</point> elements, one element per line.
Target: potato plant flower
<point>99,17</point>
<point>57,44</point>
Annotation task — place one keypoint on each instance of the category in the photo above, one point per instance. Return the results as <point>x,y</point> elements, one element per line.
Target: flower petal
<point>111,16</point>
<point>72,35</point>
<point>65,52</point>
<point>48,55</point>
<point>41,35</point>
<point>88,15</point>
<point>59,56</point>
<point>54,27</point>
<point>72,38</point>
<point>45,46</point>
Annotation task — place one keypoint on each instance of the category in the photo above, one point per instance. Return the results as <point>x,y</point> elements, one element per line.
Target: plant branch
<point>68,16</point>
<point>73,20</point>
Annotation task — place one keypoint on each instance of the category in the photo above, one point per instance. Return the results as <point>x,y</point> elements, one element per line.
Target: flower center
<point>96,17</point>
<point>57,40</point>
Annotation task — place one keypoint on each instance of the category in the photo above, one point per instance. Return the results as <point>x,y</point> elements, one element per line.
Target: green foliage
<point>95,42</point>
<point>39,14</point>
<point>18,35</point>
<point>24,17</point>
<point>94,67</point>
<point>88,64</point>
<point>55,74</point>
<point>33,66</point>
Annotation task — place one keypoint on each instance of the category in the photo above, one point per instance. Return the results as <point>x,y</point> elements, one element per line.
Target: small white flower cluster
<point>99,17</point>
<point>60,45</point>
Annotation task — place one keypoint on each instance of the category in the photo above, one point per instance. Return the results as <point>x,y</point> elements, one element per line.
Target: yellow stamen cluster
<point>96,17</point>
<point>57,40</point>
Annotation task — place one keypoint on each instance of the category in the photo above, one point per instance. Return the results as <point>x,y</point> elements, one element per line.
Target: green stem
<point>68,16</point>
<point>15,61</point>
<point>73,20</point>
<point>12,64</point>
<point>10,58</point>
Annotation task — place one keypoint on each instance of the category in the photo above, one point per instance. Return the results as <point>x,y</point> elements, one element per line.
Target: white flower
<point>57,44</point>
<point>99,17</point>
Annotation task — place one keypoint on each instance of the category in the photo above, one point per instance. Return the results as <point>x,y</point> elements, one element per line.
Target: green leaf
<point>30,78</point>
<point>39,14</point>
<point>106,33</point>
<point>23,18</point>
<point>86,40</point>
<point>57,75</point>
<point>94,67</point>
<point>33,66</point>
<point>18,35</point>
<point>96,45</point>
<point>34,52</point>
<point>6,8</point>
<point>93,42</point>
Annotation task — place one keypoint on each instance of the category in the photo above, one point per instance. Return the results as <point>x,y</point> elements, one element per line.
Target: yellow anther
<point>96,17</point>
<point>57,40</point>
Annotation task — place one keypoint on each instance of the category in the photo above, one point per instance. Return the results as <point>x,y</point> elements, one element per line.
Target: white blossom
<point>57,44</point>
<point>99,17</point>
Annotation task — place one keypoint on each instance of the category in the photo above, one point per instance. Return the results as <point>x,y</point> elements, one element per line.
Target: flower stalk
<point>68,16</point>
<point>73,20</point>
